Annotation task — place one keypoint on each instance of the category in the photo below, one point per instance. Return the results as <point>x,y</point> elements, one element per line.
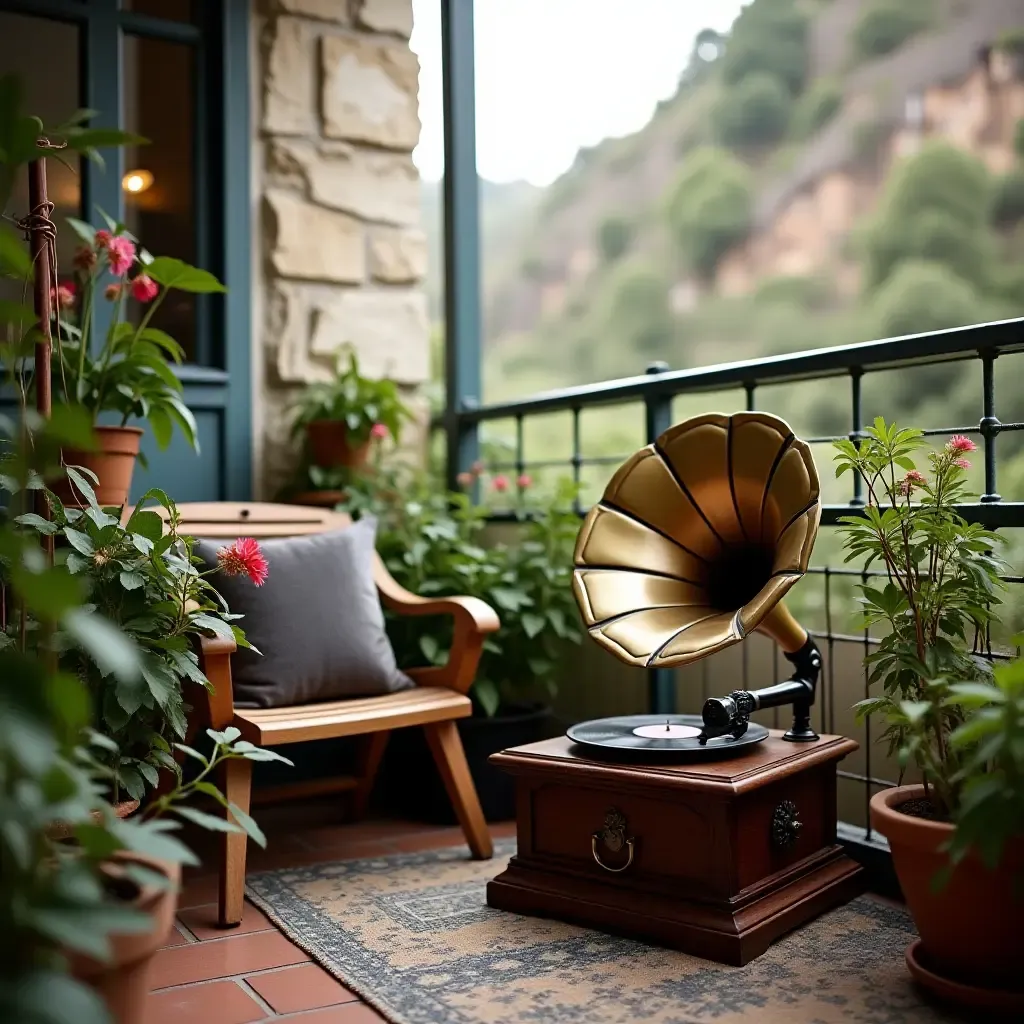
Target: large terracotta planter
<point>329,445</point>
<point>123,983</point>
<point>113,463</point>
<point>972,929</point>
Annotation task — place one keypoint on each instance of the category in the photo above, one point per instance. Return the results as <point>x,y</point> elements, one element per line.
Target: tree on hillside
<point>635,313</point>
<point>709,207</point>
<point>886,25</point>
<point>754,112</point>
<point>768,37</point>
<point>922,296</point>
<point>815,108</point>
<point>935,207</point>
<point>613,237</point>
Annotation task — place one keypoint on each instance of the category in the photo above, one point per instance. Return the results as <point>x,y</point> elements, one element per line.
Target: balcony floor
<point>206,975</point>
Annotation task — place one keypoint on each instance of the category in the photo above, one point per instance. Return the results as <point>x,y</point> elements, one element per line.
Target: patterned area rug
<point>412,935</point>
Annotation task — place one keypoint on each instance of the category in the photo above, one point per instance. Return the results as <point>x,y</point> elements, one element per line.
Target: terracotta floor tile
<point>347,1013</point>
<point>201,921</point>
<point>223,1002</point>
<point>175,939</point>
<point>197,891</point>
<point>308,987</point>
<point>223,958</point>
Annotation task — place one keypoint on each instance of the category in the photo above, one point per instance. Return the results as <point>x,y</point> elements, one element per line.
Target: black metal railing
<point>659,387</point>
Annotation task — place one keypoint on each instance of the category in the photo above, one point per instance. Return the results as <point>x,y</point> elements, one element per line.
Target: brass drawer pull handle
<point>593,849</point>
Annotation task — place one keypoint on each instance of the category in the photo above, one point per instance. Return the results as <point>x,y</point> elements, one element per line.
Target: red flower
<point>64,294</point>
<point>960,445</point>
<point>962,463</point>
<point>112,292</point>
<point>85,258</point>
<point>524,481</point>
<point>910,481</point>
<point>500,483</point>
<point>120,254</point>
<point>102,239</point>
<point>378,431</point>
<point>244,558</point>
<point>144,288</point>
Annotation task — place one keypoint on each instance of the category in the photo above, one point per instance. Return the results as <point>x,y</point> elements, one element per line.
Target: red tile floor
<point>206,975</point>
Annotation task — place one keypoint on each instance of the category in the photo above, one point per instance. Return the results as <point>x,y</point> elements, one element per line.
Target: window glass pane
<point>170,10</point>
<point>158,182</point>
<point>31,44</point>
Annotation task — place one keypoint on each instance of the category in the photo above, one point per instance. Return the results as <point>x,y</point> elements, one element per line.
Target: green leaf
<point>37,522</point>
<point>80,485</point>
<point>532,624</point>
<point>50,997</point>
<point>251,829</point>
<point>488,696</point>
<point>113,651</point>
<point>50,594</point>
<point>174,273</point>
<point>14,257</point>
<point>81,542</point>
<point>132,580</point>
<point>85,231</point>
<point>208,821</point>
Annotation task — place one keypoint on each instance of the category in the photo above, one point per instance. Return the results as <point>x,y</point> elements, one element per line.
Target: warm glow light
<point>137,181</point>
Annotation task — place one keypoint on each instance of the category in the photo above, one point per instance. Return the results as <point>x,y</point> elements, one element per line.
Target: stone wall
<point>340,250</point>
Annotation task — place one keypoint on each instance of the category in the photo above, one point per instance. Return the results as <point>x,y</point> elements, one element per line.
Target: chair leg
<point>446,746</point>
<point>237,783</point>
<point>373,747</point>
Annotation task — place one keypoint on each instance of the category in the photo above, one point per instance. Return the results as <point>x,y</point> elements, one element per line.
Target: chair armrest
<point>215,660</point>
<point>474,619</point>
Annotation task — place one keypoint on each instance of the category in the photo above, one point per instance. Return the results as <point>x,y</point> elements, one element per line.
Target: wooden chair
<point>437,701</point>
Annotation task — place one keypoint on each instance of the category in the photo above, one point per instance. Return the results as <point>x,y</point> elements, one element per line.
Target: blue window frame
<point>177,72</point>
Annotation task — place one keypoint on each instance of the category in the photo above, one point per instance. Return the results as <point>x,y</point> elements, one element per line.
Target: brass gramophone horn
<point>694,544</point>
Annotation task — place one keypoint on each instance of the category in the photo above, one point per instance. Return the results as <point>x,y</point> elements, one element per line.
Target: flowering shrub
<point>941,582</point>
<point>433,544</point>
<point>129,374</point>
<point>371,409</point>
<point>141,578</point>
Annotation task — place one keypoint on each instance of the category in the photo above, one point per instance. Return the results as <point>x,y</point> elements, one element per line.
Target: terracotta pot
<point>329,445</point>
<point>124,809</point>
<point>971,928</point>
<point>113,463</point>
<point>123,983</point>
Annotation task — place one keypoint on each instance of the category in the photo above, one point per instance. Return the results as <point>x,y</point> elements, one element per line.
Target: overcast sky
<point>554,75</point>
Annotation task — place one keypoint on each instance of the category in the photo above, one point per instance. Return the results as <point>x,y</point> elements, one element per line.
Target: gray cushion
<point>317,621</point>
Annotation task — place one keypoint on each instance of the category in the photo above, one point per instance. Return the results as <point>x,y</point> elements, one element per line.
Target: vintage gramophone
<point>692,547</point>
<point>708,833</point>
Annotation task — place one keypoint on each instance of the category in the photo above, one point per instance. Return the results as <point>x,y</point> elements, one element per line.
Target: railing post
<point>461,237</point>
<point>661,682</point>
<point>989,425</point>
<point>857,431</point>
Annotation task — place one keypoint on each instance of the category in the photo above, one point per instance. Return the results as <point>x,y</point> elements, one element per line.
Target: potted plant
<point>341,418</point>
<point>85,897</point>
<point>129,374</point>
<point>956,837</point>
<point>433,544</point>
<point>140,575</point>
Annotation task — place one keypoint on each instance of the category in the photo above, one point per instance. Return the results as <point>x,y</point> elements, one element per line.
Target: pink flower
<point>112,292</point>
<point>102,239</point>
<point>85,258</point>
<point>962,463</point>
<point>500,483</point>
<point>960,445</point>
<point>64,295</point>
<point>244,558</point>
<point>910,481</point>
<point>477,468</point>
<point>120,255</point>
<point>465,479</point>
<point>378,431</point>
<point>524,481</point>
<point>144,288</point>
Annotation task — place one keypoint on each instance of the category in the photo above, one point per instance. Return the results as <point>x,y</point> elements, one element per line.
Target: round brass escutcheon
<point>786,825</point>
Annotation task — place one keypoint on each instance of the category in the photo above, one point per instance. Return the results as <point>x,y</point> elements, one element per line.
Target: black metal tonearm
<point>725,716</point>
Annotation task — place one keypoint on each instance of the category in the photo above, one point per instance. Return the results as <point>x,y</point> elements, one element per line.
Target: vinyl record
<point>635,736</point>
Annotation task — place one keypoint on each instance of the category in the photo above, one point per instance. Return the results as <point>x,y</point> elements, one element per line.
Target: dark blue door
<point>177,73</point>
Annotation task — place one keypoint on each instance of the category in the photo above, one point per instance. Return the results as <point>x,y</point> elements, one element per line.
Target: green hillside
<point>615,267</point>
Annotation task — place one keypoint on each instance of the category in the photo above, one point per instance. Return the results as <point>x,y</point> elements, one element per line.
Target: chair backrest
<point>261,520</point>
